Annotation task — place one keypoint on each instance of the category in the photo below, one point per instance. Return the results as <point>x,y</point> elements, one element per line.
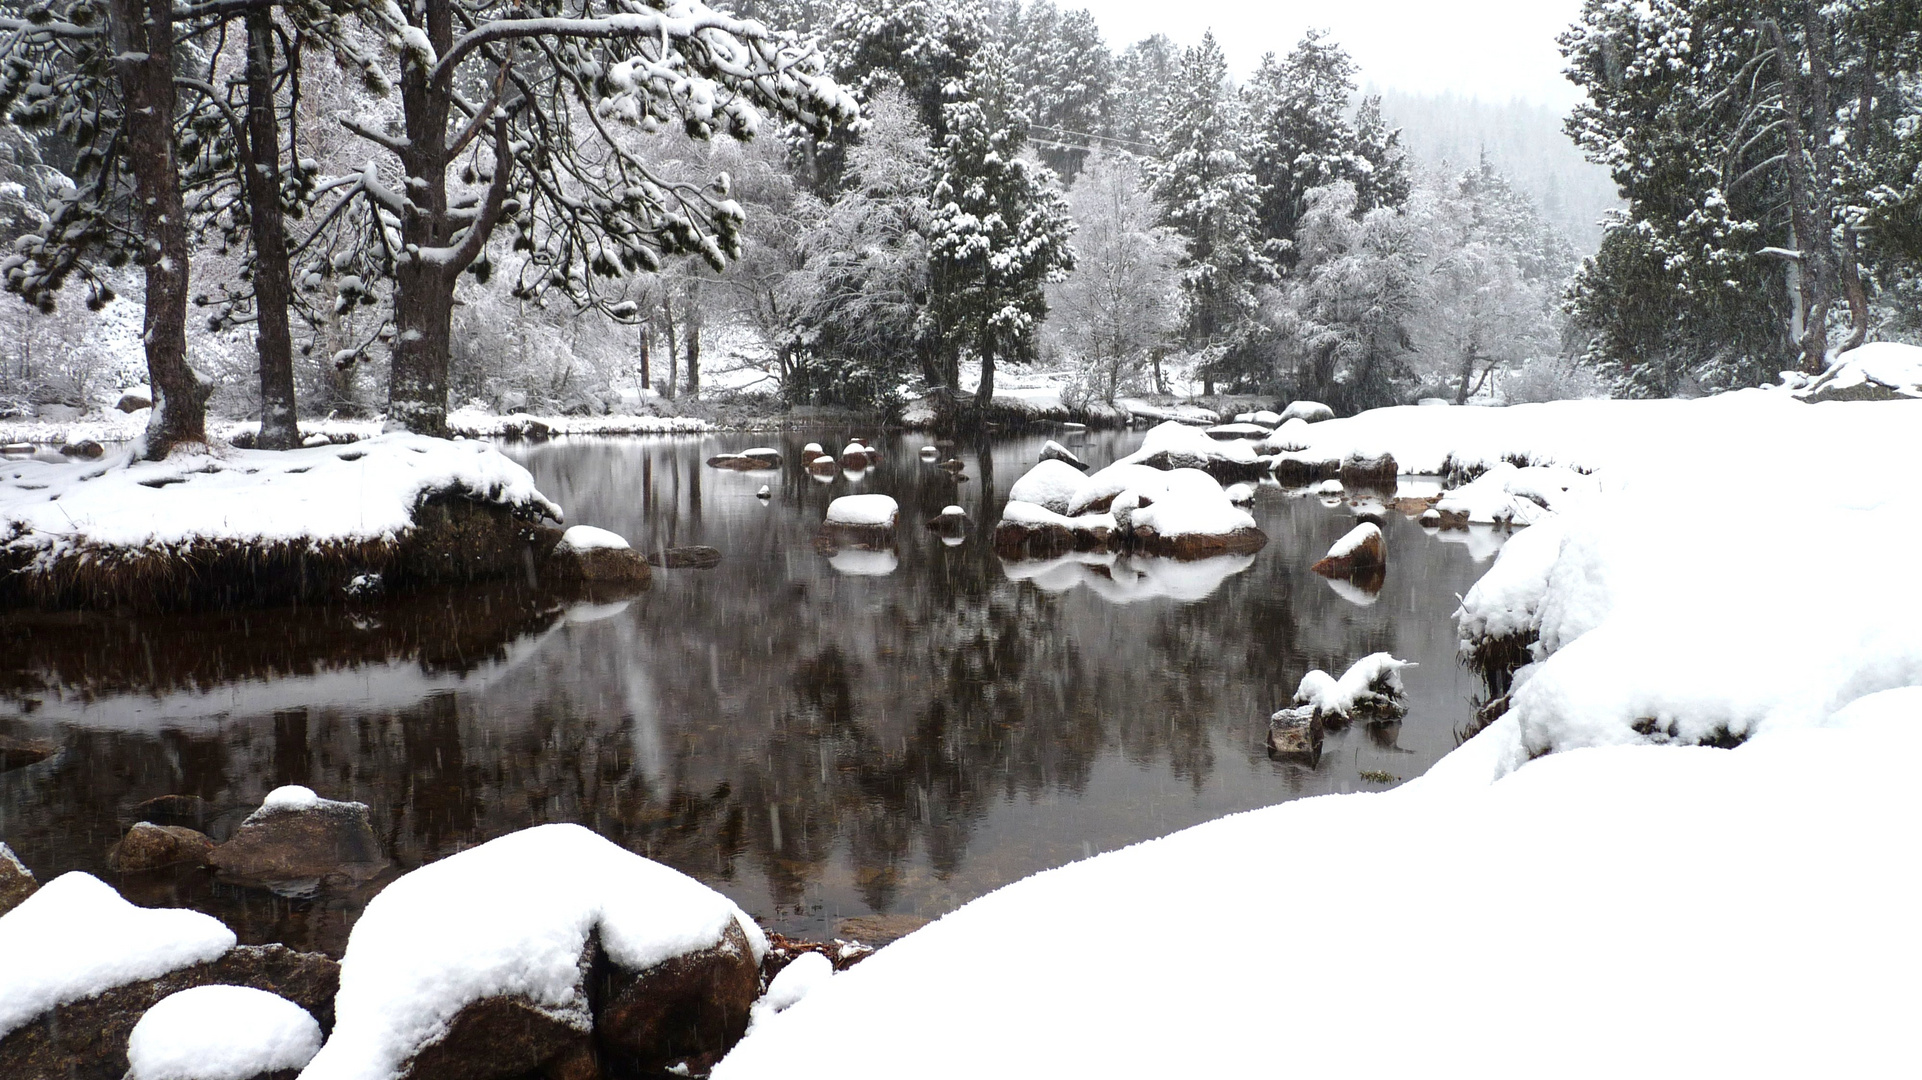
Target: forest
<point>310,208</point>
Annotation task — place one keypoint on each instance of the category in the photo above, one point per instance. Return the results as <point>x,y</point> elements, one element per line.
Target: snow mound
<point>75,937</point>
<point>589,538</point>
<point>510,917</point>
<point>1508,495</point>
<point>1370,686</point>
<point>1102,487</point>
<point>1177,445</point>
<point>803,975</point>
<point>1051,483</point>
<point>1191,503</point>
<point>362,491</point>
<point>872,511</point>
<point>1506,602</point>
<point>1878,369</point>
<point>1635,910</point>
<point>291,798</point>
<point>221,1033</point>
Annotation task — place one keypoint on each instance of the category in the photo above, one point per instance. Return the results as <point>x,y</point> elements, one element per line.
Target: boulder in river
<point>16,881</point>
<point>1369,470</point>
<point>686,558</point>
<point>19,753</point>
<point>691,1007</point>
<point>1054,451</point>
<point>1296,735</point>
<point>822,465</point>
<point>1360,549</point>
<point>150,847</point>
<point>862,521</point>
<point>85,448</point>
<point>596,558</point>
<point>298,839</point>
<point>757,458</point>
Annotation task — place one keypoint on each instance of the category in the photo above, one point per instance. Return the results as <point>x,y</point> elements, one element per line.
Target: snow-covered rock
<point>221,1033</point>
<point>1237,431</point>
<point>75,938</point>
<point>491,950</point>
<point>751,460</point>
<point>1053,451</point>
<point>1052,483</point>
<point>1174,445</point>
<point>1508,495</point>
<point>596,559</point>
<point>864,511</point>
<point>1192,517</point>
<point>1360,549</point>
<point>1031,531</point>
<point>1877,371</point>
<point>1371,688</point>
<point>1310,411</point>
<point>301,842</point>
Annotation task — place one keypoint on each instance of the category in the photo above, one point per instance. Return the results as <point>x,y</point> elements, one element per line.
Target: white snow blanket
<point>76,937</point>
<point>1187,445</point>
<point>1191,503</point>
<point>1629,911</point>
<point>113,426</point>
<point>361,491</point>
<point>508,917</point>
<point>1507,495</point>
<point>873,511</point>
<point>221,1033</point>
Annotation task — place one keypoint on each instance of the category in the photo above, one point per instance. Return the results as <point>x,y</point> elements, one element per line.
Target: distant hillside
<point>1524,141</point>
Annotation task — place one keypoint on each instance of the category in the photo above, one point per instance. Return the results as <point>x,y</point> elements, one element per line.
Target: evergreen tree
<point>1000,229</point>
<point>1145,71</point>
<point>1209,195</point>
<point>1065,74</point>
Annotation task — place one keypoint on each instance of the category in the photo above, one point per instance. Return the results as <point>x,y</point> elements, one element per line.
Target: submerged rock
<point>298,839</point>
<point>757,458</point>
<point>686,558</point>
<point>19,753</point>
<point>16,881</point>
<point>150,847</point>
<point>1296,735</point>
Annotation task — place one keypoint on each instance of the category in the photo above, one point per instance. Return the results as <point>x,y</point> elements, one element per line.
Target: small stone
<point>16,881</point>
<point>686,558</point>
<point>1361,549</point>
<point>953,465</point>
<point>85,448</point>
<point>1296,735</point>
<point>150,847</point>
<point>822,465</point>
<point>131,402</point>
<point>766,492</point>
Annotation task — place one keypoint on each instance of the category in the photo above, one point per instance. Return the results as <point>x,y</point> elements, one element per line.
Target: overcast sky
<point>1492,49</point>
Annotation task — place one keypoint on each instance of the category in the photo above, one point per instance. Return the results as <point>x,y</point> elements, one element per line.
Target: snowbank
<point>76,937</point>
<point>1051,483</point>
<point>366,491</point>
<point>510,917</point>
<point>221,1033</point>
<point>1878,370</point>
<point>1742,916</point>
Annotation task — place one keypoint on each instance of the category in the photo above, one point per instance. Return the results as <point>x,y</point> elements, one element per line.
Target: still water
<point>818,737</point>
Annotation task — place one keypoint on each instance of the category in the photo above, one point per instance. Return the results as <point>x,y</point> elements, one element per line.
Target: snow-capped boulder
<point>221,1033</point>
<point>1369,470</point>
<point>1360,550</point>
<point>1312,411</point>
<point>1370,689</point>
<point>1031,531</point>
<point>597,559</point>
<point>856,455</point>
<point>300,840</point>
<point>532,951</point>
<point>1289,438</point>
<point>1173,445</point>
<point>1099,491</point>
<point>16,881</point>
<point>1054,451</point>
<point>1878,371</point>
<point>952,520</point>
<point>1240,494</point>
<point>1267,418</point>
<point>863,512</point>
<point>1191,519</point>
<point>1330,486</point>
<point>1224,432</point>
<point>812,450</point>
<point>150,847</point>
<point>1051,483</point>
<point>83,966</point>
<point>1508,495</point>
<point>821,465</point>
<point>84,448</point>
<point>133,401</point>
<point>755,459</point>
<point>1296,734</point>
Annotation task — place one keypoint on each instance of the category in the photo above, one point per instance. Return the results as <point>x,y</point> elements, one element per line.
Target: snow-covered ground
<point>362,492</point>
<point>1580,889</point>
<point>112,426</point>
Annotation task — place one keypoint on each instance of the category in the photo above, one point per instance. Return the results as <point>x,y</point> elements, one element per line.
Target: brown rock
<point>823,466</point>
<point>457,539</point>
<point>85,448</point>
<point>745,462</point>
<point>1192,546</point>
<point>16,881</point>
<point>1449,519</point>
<point>19,753</point>
<point>692,1006</point>
<point>598,568</point>
<point>1296,735</point>
<point>1365,470</point>
<point>1019,540</point>
<point>87,1040</point>
<point>1366,554</point>
<point>1300,470</point>
<point>330,845</point>
<point>149,847</point>
<point>507,1038</point>
<point>686,558</point>
<point>131,402</point>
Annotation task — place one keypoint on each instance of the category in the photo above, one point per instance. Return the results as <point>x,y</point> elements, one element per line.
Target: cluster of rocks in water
<point>1370,691</point>
<point>71,1004</point>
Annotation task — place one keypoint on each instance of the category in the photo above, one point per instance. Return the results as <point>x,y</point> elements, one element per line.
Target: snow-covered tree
<point>1208,193</point>
<point>1065,73</point>
<point>1000,230</point>
<point>1144,73</point>
<point>1115,312</point>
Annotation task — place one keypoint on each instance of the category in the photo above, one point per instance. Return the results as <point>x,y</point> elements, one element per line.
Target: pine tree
<point>1000,232</point>
<point>1209,195</point>
<point>1065,74</point>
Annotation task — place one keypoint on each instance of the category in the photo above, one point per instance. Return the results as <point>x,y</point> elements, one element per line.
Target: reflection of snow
<point>589,613</point>
<point>859,563</point>
<point>1352,592</point>
<point>1483,541</point>
<point>1124,579</point>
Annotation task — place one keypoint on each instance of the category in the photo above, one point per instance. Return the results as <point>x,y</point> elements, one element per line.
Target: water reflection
<point>819,736</point>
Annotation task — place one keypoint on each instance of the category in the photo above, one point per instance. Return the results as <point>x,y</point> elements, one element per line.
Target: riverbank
<point>1637,868</point>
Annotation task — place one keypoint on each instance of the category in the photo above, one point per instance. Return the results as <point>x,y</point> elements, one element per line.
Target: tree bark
<point>692,334</point>
<point>647,331</point>
<point>984,393</point>
<point>1810,227</point>
<point>142,34</point>
<point>273,282</point>
<point>667,310</point>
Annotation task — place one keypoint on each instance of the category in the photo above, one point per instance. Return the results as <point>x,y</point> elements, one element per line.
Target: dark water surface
<point>817,740</point>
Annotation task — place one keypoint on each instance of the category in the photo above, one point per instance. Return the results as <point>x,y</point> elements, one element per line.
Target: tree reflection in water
<point>818,745</point>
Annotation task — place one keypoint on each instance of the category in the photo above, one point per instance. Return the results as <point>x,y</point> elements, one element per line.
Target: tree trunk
<point>692,334</point>
<point>142,33</point>
<point>647,374</point>
<point>673,370</point>
<point>1810,228</point>
<point>984,393</point>
<point>423,333</point>
<point>273,283</point>
<point>1467,373</point>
